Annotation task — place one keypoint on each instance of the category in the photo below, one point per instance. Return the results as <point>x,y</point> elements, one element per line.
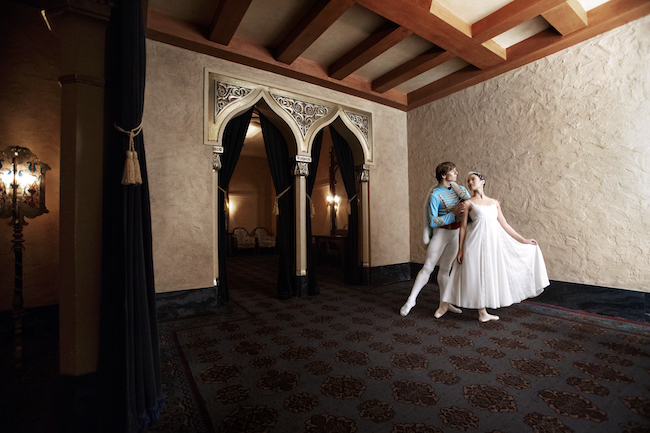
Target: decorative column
<point>217,151</point>
<point>301,171</point>
<point>81,27</point>
<point>364,233</point>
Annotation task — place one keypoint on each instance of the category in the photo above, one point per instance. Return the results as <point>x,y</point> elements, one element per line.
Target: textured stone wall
<point>30,107</point>
<point>565,145</point>
<point>180,170</point>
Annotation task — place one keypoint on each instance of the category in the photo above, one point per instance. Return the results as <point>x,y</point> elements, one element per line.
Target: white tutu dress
<point>497,271</point>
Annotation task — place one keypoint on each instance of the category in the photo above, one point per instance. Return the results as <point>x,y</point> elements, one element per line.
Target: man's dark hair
<point>443,169</point>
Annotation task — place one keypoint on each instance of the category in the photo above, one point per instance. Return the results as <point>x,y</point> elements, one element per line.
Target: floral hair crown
<point>480,176</point>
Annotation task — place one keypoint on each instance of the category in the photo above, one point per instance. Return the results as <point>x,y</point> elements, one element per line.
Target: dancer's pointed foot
<point>454,309</point>
<point>442,309</point>
<point>406,308</point>
<point>483,316</point>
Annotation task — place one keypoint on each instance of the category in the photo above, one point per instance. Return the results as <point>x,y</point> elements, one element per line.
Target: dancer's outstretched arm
<point>512,232</point>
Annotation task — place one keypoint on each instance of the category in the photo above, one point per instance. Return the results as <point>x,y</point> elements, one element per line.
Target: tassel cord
<point>276,208</point>
<point>132,174</point>
<point>312,209</point>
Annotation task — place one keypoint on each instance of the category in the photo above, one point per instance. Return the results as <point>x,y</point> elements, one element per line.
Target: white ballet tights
<point>443,248</point>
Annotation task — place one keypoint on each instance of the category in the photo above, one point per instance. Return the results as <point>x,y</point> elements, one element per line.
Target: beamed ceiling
<point>402,53</point>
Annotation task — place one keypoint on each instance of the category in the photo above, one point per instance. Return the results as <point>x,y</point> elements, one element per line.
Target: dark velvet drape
<point>311,180</point>
<point>346,165</point>
<point>129,367</point>
<point>233,141</point>
<point>278,156</point>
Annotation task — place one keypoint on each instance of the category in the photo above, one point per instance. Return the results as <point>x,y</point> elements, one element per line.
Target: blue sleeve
<point>434,219</point>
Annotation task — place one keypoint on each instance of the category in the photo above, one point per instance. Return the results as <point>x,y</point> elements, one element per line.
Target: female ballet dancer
<point>498,266</point>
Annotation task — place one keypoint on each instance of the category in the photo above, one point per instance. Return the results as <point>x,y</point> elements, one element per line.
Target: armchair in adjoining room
<point>242,241</point>
<point>264,239</point>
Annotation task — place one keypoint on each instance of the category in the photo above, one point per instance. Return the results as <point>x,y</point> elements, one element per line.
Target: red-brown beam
<point>601,19</point>
<point>413,16</point>
<point>510,16</point>
<point>186,35</point>
<point>226,19</point>
<point>567,17</point>
<point>414,67</point>
<point>315,22</point>
<point>373,46</point>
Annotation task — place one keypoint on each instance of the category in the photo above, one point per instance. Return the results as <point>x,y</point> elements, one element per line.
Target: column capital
<point>216,157</point>
<point>301,169</point>
<point>364,175</point>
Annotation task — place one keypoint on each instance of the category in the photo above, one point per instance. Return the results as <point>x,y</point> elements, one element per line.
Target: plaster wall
<point>565,145</point>
<point>180,171</point>
<point>251,195</point>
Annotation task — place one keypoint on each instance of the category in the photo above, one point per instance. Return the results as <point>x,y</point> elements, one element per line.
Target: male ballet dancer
<point>442,212</point>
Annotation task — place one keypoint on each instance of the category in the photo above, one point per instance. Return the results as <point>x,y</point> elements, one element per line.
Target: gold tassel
<point>312,209</point>
<point>350,204</point>
<point>276,208</point>
<point>131,174</point>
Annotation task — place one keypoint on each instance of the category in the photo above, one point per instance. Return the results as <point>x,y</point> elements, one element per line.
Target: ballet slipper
<point>454,309</point>
<point>406,308</point>
<point>483,316</point>
<point>442,309</point>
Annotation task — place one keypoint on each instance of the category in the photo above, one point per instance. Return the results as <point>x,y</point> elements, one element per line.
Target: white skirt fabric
<point>497,271</point>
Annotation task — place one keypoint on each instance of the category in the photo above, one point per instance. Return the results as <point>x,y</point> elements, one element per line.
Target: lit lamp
<point>333,201</point>
<point>22,194</point>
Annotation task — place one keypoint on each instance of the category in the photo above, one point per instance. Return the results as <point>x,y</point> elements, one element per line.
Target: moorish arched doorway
<point>303,120</point>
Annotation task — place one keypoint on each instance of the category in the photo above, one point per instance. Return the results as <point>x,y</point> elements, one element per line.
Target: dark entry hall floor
<point>346,361</point>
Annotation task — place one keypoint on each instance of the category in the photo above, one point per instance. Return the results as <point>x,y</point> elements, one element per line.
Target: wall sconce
<point>333,200</point>
<point>22,194</point>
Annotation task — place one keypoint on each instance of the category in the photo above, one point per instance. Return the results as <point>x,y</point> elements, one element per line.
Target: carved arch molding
<point>227,97</point>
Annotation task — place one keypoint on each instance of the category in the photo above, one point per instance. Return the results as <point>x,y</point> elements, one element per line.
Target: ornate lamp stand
<point>22,194</point>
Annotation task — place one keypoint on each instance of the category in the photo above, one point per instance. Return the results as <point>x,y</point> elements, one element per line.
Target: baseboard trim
<point>187,303</point>
<point>604,301</point>
<point>389,274</point>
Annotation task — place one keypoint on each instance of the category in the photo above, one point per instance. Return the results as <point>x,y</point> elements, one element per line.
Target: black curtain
<point>312,284</point>
<point>233,141</point>
<point>129,367</point>
<point>346,165</point>
<point>278,156</point>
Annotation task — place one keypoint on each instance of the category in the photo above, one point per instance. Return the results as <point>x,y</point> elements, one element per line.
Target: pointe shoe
<point>485,317</point>
<point>406,308</point>
<point>441,311</point>
<point>454,309</point>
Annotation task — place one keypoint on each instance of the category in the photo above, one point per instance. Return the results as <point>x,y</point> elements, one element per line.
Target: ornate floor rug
<point>346,361</point>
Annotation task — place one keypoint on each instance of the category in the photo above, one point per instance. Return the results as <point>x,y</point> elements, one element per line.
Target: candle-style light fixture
<point>22,194</point>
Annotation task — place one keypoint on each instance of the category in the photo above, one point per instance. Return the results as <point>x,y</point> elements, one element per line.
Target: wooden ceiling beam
<point>601,19</point>
<point>413,16</point>
<point>171,31</point>
<point>448,16</point>
<point>567,17</point>
<point>414,67</point>
<point>311,26</point>
<point>226,19</point>
<point>510,16</point>
<point>373,46</point>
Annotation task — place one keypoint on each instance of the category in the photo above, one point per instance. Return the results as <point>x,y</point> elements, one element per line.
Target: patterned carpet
<point>346,361</point>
